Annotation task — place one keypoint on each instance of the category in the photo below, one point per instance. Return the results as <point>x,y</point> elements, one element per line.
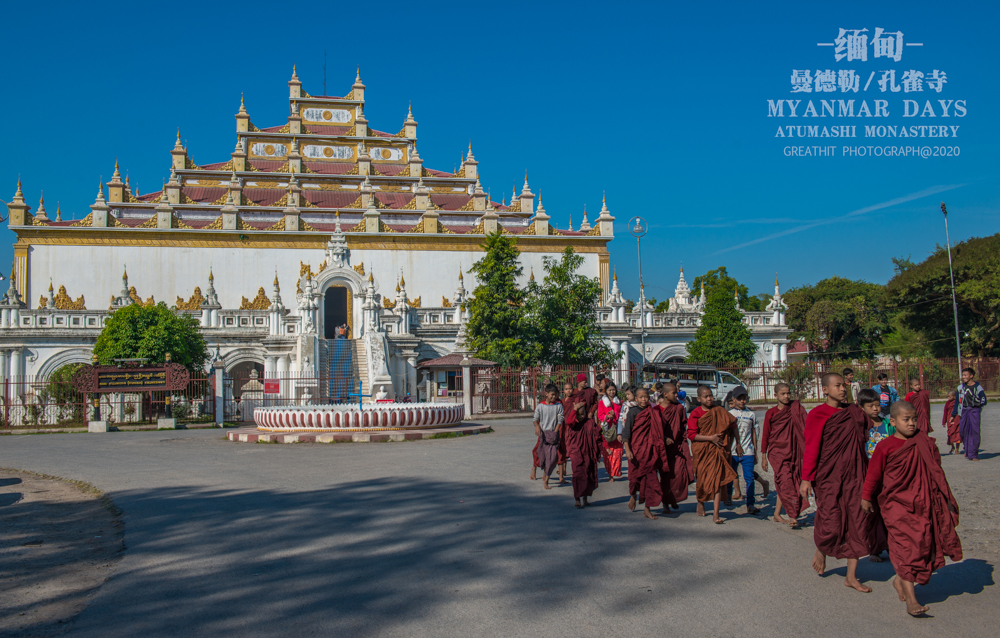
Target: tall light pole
<point>954,304</point>
<point>638,227</point>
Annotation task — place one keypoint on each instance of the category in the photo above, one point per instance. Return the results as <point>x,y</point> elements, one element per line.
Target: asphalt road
<point>449,538</point>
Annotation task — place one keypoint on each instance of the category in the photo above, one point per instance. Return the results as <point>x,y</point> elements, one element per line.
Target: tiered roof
<point>325,160</point>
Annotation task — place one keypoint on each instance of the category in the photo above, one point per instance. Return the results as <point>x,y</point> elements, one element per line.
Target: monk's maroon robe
<point>785,446</point>
<point>841,528</point>
<point>678,471</point>
<point>921,401</point>
<point>914,502</point>
<point>713,463</point>
<point>650,456</point>
<point>581,435</point>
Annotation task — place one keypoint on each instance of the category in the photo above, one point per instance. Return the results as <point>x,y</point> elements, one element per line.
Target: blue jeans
<point>747,462</point>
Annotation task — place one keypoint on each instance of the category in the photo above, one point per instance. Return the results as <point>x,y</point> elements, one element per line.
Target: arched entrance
<point>336,311</point>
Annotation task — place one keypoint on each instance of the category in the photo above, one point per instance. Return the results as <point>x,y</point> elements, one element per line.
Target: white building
<point>316,223</point>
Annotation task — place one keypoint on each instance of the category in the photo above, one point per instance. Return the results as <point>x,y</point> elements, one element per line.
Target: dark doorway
<point>334,310</point>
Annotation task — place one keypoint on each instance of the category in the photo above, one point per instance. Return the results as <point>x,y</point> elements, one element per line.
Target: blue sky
<point>663,105</point>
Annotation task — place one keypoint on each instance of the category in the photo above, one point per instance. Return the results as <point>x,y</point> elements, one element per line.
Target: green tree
<point>720,279</point>
<point>148,332</point>
<point>561,315</point>
<point>497,306</point>
<point>923,293</point>
<point>839,316</point>
<point>722,335</point>
<point>60,391</point>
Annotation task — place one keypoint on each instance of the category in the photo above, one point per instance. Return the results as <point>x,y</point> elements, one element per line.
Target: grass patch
<point>447,435</point>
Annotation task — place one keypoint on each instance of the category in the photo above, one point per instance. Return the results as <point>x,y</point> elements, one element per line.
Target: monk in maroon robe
<point>582,440</point>
<point>916,502</point>
<point>950,424</point>
<point>782,444</point>
<point>920,399</point>
<point>834,466</point>
<point>711,431</point>
<point>678,471</point>
<point>642,438</point>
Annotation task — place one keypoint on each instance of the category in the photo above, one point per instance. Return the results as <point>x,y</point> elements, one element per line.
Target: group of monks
<point>900,502</point>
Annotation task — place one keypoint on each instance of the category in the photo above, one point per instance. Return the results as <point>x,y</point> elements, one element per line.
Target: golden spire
<point>177,144</point>
<point>125,273</point>
<point>50,285</point>
<point>18,193</point>
<point>117,176</point>
<point>460,278</point>
<point>775,279</point>
<point>532,278</point>
<point>615,277</point>
<point>397,286</point>
<point>371,277</point>
<point>276,280</point>
<point>357,78</point>
<point>58,213</point>
<point>402,280</point>
<point>243,107</point>
<point>211,275</point>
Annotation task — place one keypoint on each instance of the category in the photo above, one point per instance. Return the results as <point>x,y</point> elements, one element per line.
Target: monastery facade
<point>317,223</point>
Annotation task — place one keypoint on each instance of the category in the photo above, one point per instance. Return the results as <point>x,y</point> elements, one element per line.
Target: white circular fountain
<point>354,418</point>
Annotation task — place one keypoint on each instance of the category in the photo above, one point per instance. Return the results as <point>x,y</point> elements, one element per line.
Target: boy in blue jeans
<point>747,428</point>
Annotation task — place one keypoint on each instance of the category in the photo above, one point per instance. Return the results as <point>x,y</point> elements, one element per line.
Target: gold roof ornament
<point>260,302</point>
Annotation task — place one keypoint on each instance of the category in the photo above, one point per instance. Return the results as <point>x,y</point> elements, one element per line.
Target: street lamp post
<point>954,304</point>
<point>638,227</point>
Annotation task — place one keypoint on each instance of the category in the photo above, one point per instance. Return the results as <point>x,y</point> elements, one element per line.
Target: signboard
<point>169,376</point>
<point>272,386</point>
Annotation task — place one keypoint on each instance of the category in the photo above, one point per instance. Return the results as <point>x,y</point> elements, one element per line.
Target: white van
<point>690,376</point>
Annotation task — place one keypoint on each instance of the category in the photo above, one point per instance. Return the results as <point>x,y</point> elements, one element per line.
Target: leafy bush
<point>800,377</point>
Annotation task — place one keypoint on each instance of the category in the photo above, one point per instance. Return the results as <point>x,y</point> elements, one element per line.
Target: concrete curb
<point>252,435</point>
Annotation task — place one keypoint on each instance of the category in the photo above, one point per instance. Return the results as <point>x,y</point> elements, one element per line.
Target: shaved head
<point>669,385</point>
<point>901,407</point>
<point>778,387</point>
<point>830,377</point>
<point>703,390</point>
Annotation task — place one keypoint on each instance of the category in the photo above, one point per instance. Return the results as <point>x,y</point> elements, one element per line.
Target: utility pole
<point>954,303</point>
<point>638,227</point>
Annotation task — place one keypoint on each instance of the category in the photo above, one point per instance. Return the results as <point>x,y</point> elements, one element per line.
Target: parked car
<point>690,376</point>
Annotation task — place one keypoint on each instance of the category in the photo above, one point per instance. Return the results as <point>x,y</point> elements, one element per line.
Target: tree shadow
<point>11,480</point>
<point>970,576</point>
<point>367,556</point>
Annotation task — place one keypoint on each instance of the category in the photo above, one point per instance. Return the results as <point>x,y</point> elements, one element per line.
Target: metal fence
<point>33,402</point>
<point>518,390</point>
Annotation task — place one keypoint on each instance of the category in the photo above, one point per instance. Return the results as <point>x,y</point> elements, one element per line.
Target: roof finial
<point>532,278</point>
<point>211,275</point>
<point>18,187</point>
<point>58,213</point>
<point>775,279</point>
<point>50,284</point>
<point>371,277</point>
<point>615,277</point>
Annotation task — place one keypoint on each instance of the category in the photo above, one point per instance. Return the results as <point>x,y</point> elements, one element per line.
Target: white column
<point>270,366</point>
<point>4,365</point>
<point>282,373</point>
<point>784,352</point>
<point>16,364</point>
<point>411,377</point>
<point>775,352</point>
<point>206,317</point>
<point>623,360</point>
<point>5,318</point>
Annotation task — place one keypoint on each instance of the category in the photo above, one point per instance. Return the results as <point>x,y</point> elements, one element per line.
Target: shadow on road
<point>971,576</point>
<point>367,555</point>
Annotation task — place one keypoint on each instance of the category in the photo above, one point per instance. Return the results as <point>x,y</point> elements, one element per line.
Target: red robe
<point>650,456</point>
<point>713,463</point>
<point>914,501</point>
<point>841,528</point>
<point>921,401</point>
<point>678,468</point>
<point>582,438</point>
<point>783,441</point>
<point>951,423</point>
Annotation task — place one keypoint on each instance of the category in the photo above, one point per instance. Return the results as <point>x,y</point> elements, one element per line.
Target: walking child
<point>950,422</point>
<point>916,502</point>
<point>642,439</point>
<point>783,444</point>
<point>969,405</point>
<point>608,413</point>
<point>549,420</point>
<point>582,439</point>
<point>711,430</point>
<point>920,399</point>
<point>834,465</point>
<point>677,475</point>
<point>747,430</point>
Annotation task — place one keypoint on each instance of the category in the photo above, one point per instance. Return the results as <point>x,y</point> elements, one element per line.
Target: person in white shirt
<point>748,430</point>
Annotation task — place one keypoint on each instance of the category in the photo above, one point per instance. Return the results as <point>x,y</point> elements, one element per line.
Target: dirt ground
<point>59,541</point>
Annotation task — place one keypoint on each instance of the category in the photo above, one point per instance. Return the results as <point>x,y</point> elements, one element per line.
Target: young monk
<point>834,465</point>
<point>642,438</point>
<point>971,398</point>
<point>677,470</point>
<point>919,398</point>
<point>549,420</point>
<point>582,440</point>
<point>950,423</point>
<point>783,444</point>
<point>711,430</point>
<point>916,502</point>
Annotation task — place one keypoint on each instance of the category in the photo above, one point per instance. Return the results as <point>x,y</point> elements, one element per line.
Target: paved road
<point>448,538</point>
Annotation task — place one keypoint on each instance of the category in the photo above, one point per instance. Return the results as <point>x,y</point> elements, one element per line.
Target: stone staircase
<point>342,364</point>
